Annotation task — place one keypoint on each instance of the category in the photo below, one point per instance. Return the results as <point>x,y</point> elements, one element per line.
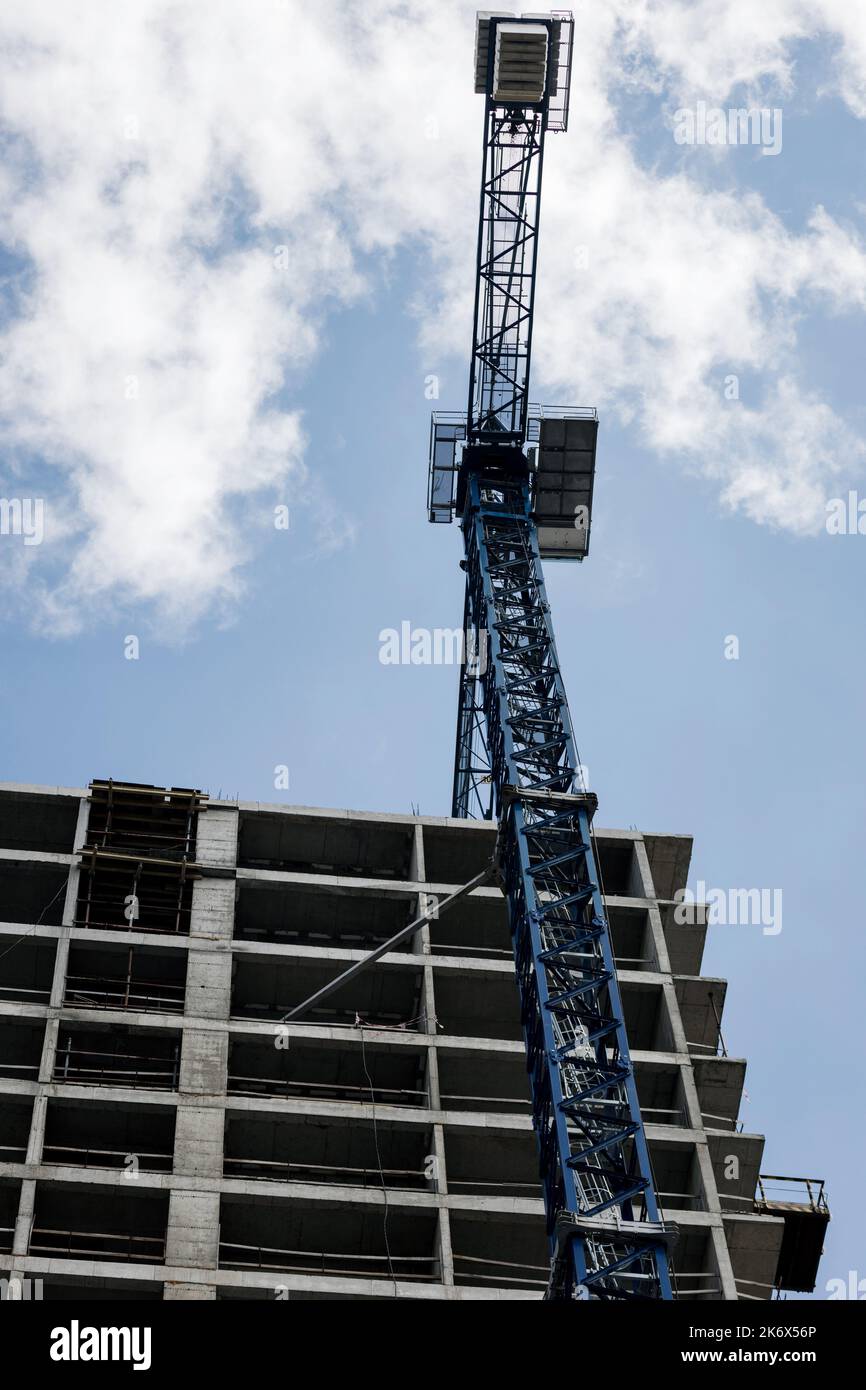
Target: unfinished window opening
<point>32,892</point>
<point>118,1057</point>
<point>27,972</point>
<point>282,912</point>
<point>479,1079</point>
<point>109,1135</point>
<point>99,1223</point>
<point>645,1016</point>
<point>35,821</point>
<point>491,1163</point>
<point>122,893</point>
<point>475,927</point>
<point>268,987</point>
<point>631,935</point>
<point>454,854</point>
<point>308,1149</point>
<point>134,978</point>
<point>16,1115</point>
<point>10,1195</point>
<point>477,1004</point>
<point>694,1270</point>
<point>618,867</point>
<point>341,1071</point>
<point>347,847</point>
<point>497,1251</point>
<point>677,1176</point>
<point>20,1049</point>
<point>328,1238</point>
<point>660,1094</point>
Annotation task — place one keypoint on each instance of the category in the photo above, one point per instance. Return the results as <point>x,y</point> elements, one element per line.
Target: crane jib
<point>516,759</point>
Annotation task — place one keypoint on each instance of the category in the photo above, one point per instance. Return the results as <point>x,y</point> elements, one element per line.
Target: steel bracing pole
<point>602,1219</point>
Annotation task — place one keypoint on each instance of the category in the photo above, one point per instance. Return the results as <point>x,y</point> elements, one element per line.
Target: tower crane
<point>519,479</point>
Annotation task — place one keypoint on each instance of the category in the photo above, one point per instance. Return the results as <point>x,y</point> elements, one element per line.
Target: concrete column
<point>425,902</point>
<point>658,944</point>
<point>61,959</point>
<point>208,984</point>
<point>213,909</point>
<point>708,1179</point>
<point>216,840</point>
<point>198,1141</point>
<point>678,1041</point>
<point>192,1235</point>
<point>641,885</point>
<point>74,872</point>
<point>690,1096</point>
<point>204,1062</point>
<point>723,1262</point>
<point>24,1223</point>
<point>36,1138</point>
<point>61,969</point>
<point>49,1051</point>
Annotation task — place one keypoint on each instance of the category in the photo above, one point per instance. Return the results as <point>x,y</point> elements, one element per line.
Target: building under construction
<point>519,1089</point>
<point>163,1134</point>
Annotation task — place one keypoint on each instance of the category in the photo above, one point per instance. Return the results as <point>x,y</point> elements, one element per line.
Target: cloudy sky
<point>236,242</point>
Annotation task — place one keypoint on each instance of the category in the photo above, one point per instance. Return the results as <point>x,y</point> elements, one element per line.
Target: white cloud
<point>159,152</point>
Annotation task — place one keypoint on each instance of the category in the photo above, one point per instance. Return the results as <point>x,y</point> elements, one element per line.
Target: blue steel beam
<point>602,1219</point>
<point>516,757</point>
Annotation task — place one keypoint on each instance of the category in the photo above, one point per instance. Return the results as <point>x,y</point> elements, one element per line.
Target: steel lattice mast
<point>520,480</point>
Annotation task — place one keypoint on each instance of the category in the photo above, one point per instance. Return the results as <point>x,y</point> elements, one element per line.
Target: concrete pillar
<point>204,1062</point>
<point>425,902</point>
<point>213,909</point>
<point>192,1235</point>
<point>723,1263</point>
<point>641,885</point>
<point>216,841</point>
<point>208,984</point>
<point>658,946</point>
<point>49,1051</point>
<point>198,1141</point>
<point>36,1138</point>
<point>24,1223</point>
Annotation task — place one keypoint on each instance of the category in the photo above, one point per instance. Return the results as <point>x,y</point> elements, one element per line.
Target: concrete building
<point>163,1136</point>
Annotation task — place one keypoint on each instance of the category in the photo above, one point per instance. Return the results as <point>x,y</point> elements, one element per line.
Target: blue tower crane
<point>519,478</point>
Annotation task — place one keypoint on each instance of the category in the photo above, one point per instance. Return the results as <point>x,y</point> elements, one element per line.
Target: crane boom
<point>520,480</point>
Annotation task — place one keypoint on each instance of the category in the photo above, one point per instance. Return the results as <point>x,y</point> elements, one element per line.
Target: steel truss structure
<point>516,757</point>
<point>601,1208</point>
<point>507,254</point>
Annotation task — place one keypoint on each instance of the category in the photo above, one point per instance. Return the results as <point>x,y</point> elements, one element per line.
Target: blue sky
<point>260,647</point>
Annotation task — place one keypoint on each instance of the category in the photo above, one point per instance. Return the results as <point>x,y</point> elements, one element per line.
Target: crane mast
<point>519,478</point>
